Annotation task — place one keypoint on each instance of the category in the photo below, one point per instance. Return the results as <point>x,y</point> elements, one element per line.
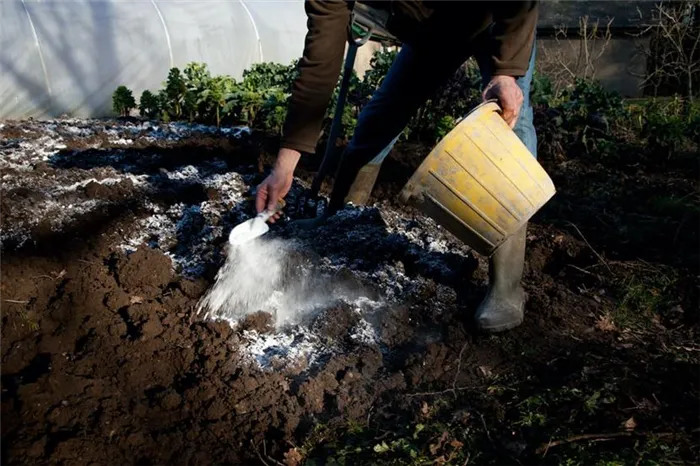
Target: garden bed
<point>112,231</point>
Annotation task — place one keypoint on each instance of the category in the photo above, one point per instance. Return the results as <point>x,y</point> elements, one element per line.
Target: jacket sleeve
<point>319,70</point>
<point>513,36</point>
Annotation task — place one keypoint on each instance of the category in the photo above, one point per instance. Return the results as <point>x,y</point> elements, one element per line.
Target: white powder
<point>282,348</point>
<point>269,275</point>
<point>261,275</point>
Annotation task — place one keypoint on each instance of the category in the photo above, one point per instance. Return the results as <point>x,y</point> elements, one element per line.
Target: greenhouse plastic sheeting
<point>67,56</point>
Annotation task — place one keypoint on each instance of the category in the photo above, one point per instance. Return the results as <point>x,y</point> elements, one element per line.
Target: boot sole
<point>510,325</point>
<point>504,327</point>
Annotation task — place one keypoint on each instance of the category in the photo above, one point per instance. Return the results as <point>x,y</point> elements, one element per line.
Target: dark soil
<point>105,361</point>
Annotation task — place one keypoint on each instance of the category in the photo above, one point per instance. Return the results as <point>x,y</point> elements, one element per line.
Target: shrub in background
<point>123,101</point>
<point>583,118</point>
<point>149,105</point>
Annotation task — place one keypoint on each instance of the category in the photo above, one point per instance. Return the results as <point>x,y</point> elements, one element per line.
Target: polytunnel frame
<point>255,29</point>
<point>166,31</point>
<point>37,43</point>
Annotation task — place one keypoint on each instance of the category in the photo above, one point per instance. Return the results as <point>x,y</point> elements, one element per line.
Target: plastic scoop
<point>254,227</point>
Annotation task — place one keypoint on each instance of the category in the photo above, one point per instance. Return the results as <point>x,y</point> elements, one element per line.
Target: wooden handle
<point>280,205</point>
<point>267,213</point>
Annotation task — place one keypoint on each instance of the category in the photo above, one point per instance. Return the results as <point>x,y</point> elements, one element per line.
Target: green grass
<point>642,297</point>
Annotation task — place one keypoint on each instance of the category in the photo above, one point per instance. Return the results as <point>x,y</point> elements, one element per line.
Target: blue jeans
<point>413,77</point>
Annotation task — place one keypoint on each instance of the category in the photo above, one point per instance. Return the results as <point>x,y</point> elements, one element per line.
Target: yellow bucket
<point>480,181</point>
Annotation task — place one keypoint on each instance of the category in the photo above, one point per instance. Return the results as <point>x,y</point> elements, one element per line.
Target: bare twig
<point>266,457</point>
<point>675,43</point>
<point>577,56</point>
<point>440,392</point>
<point>488,434</point>
<point>582,270</point>
<point>600,258</point>
<point>542,450</point>
<point>549,444</point>
<point>14,301</point>
<point>687,348</point>
<point>459,366</point>
<point>261,458</point>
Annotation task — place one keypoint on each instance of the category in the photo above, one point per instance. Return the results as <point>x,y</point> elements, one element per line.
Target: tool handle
<point>267,213</point>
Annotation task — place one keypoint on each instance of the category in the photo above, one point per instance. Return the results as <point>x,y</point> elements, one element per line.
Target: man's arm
<point>319,69</point>
<point>513,36</point>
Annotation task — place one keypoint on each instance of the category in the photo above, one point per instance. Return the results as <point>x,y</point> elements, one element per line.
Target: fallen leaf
<point>436,447</point>
<point>381,447</point>
<point>630,424</point>
<point>605,324</point>
<point>136,300</point>
<point>456,444</point>
<point>293,457</point>
<point>424,409</point>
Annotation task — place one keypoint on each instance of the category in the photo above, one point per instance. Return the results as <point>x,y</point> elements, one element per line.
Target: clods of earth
<point>357,345</point>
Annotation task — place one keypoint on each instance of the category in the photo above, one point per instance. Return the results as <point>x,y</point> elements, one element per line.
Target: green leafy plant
<point>274,110</point>
<point>541,91</point>
<point>123,101</point>
<point>213,98</point>
<point>149,105</point>
<point>452,101</point>
<point>589,114</point>
<point>583,116</point>
<point>174,96</point>
<point>380,63</point>
<point>244,103</point>
<point>669,126</point>
<point>197,79</point>
<point>270,75</point>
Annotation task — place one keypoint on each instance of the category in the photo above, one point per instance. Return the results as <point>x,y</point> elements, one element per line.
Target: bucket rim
<point>481,108</point>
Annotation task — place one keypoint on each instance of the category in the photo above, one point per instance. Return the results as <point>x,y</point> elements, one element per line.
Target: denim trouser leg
<point>525,126</point>
<point>412,78</point>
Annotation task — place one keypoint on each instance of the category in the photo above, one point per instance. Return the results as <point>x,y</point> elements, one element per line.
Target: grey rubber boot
<point>503,307</point>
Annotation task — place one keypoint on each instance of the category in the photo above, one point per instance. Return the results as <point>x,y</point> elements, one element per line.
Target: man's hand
<point>277,184</point>
<point>509,96</point>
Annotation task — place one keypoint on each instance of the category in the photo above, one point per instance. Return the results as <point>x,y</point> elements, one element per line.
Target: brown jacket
<point>418,23</point>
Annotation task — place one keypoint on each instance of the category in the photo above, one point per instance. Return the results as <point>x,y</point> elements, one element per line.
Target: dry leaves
<point>436,447</point>
<point>630,424</point>
<point>486,371</point>
<point>293,457</point>
<point>136,300</point>
<point>605,324</point>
